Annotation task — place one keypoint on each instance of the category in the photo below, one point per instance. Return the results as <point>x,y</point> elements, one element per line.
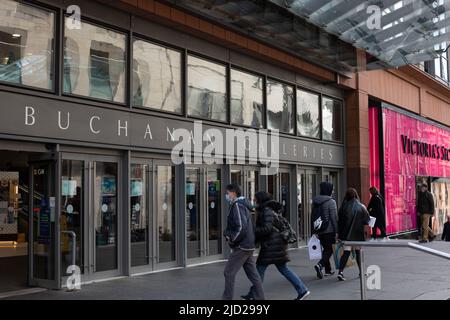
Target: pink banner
<point>411,148</point>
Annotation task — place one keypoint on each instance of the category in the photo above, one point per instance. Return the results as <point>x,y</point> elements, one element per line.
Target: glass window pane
<point>308,115</point>
<point>331,119</point>
<point>72,215</point>
<point>94,62</point>
<point>139,215</point>
<point>156,77</point>
<point>246,99</point>
<point>280,99</point>
<point>165,213</point>
<point>26,45</point>
<point>207,89</point>
<point>105,216</point>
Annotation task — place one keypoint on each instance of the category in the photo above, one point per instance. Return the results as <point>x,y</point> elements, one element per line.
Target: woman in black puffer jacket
<point>273,246</point>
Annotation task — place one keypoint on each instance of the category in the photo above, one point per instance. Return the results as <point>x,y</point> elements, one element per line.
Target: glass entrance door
<point>307,189</point>
<point>203,213</point>
<point>43,229</point>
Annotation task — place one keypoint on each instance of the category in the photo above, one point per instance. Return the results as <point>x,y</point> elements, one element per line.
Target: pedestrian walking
<point>425,207</point>
<point>446,231</point>
<point>273,246</point>
<point>376,210</point>
<point>240,236</point>
<point>352,221</point>
<point>328,236</point>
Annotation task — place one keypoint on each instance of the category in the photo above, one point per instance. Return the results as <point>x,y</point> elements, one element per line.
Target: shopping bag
<point>338,251</point>
<point>314,248</point>
<point>372,221</point>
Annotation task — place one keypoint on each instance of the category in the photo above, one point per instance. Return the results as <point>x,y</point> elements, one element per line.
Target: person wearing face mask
<point>240,236</point>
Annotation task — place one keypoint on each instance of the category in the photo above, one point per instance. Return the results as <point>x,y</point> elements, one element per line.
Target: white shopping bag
<point>314,248</point>
<point>372,221</point>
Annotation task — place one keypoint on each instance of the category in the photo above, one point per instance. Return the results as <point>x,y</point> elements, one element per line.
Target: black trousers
<point>344,259</point>
<point>379,225</point>
<point>327,240</point>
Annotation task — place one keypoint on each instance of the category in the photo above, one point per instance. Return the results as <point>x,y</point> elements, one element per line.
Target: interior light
<point>16,35</point>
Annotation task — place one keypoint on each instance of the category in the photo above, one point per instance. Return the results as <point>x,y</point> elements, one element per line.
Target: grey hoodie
<point>330,210</point>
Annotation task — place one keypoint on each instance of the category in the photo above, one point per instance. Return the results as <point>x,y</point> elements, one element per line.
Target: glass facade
<point>246,99</point>
<point>156,77</point>
<point>331,119</point>
<point>94,62</point>
<point>280,101</point>
<point>207,89</point>
<point>26,45</point>
<point>308,114</point>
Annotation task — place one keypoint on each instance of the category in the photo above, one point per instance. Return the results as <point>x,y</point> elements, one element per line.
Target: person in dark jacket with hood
<point>446,231</point>
<point>352,221</point>
<point>376,210</point>
<point>273,246</point>
<point>241,239</point>
<point>327,237</point>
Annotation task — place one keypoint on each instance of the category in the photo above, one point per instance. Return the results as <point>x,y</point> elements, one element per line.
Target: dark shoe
<point>328,273</point>
<point>431,238</point>
<point>341,276</point>
<point>423,241</point>
<point>319,272</point>
<point>247,297</point>
<point>303,295</point>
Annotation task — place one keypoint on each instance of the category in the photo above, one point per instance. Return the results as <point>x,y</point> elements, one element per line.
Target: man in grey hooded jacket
<point>328,236</point>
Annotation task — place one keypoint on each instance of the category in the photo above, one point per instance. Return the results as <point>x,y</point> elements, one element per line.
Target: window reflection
<point>26,45</point>
<point>206,89</point>
<point>94,62</point>
<point>246,99</point>
<point>279,106</point>
<point>156,77</point>
<point>308,122</point>
<point>331,119</point>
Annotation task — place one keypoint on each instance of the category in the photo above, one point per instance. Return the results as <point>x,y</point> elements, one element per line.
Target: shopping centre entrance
<point>27,220</point>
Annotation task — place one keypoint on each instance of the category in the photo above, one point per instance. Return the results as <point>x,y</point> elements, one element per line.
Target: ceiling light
<point>16,35</point>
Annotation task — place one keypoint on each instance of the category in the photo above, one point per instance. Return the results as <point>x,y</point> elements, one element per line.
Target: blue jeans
<point>287,273</point>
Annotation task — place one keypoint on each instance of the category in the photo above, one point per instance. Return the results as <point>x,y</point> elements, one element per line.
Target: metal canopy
<point>325,31</point>
<point>409,31</point>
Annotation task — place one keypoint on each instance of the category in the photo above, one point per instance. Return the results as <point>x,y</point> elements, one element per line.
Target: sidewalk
<point>405,274</point>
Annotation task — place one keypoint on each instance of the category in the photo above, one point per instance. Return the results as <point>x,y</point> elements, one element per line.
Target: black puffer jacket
<point>273,247</point>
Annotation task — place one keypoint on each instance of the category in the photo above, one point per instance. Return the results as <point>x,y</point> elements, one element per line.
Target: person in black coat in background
<point>273,246</point>
<point>446,232</point>
<point>376,209</point>
<point>352,221</point>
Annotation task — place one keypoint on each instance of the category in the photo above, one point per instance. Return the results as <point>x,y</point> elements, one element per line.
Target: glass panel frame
<point>280,112</point>
<point>29,62</point>
<point>306,102</point>
<point>332,119</point>
<point>175,81</point>
<point>113,88</point>
<point>212,102</point>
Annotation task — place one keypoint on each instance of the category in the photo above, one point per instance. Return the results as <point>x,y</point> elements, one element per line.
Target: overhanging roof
<point>325,31</point>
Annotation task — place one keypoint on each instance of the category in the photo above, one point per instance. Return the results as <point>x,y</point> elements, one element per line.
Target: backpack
<point>282,225</point>
<point>319,222</point>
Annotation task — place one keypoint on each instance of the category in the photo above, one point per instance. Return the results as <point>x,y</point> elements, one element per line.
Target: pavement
<point>406,274</point>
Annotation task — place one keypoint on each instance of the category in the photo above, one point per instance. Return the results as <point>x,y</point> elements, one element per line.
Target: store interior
<point>14,217</point>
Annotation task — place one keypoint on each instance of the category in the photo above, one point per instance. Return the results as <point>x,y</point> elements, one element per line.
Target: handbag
<point>338,251</point>
<point>314,248</point>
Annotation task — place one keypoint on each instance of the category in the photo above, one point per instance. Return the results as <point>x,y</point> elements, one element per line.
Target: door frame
<point>204,230</point>
<point>307,203</point>
<point>89,273</point>
<point>53,159</point>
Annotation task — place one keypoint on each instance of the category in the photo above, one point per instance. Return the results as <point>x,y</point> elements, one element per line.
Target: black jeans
<point>379,225</point>
<point>327,240</point>
<point>345,257</point>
